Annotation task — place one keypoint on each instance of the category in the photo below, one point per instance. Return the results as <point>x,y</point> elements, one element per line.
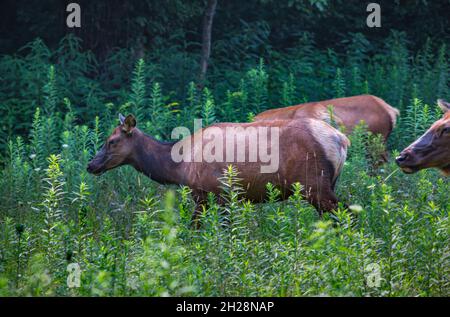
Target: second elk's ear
<point>129,124</point>
<point>444,105</point>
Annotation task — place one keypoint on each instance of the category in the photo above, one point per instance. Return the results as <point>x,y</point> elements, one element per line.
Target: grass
<point>132,237</point>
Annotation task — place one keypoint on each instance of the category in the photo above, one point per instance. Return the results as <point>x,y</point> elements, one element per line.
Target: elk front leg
<point>326,202</point>
<point>200,206</point>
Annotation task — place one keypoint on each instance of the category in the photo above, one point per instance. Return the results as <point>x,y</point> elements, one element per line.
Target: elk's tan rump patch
<point>333,143</point>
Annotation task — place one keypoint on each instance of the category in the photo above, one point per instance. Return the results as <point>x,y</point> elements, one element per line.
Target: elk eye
<point>112,142</point>
<point>446,130</point>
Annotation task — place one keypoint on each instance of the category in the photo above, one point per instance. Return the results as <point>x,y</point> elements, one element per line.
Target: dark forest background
<point>155,24</point>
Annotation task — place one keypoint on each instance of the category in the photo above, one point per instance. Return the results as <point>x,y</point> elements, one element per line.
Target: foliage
<point>51,80</point>
<point>134,237</point>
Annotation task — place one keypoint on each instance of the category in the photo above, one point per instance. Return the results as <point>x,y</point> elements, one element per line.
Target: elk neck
<point>153,158</point>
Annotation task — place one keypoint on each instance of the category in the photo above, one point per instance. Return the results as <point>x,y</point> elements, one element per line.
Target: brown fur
<point>303,158</point>
<point>349,111</point>
<point>432,149</point>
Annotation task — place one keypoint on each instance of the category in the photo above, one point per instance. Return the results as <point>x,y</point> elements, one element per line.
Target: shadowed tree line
<point>148,24</point>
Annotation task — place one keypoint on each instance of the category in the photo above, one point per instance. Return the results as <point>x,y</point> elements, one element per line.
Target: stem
<point>18,262</point>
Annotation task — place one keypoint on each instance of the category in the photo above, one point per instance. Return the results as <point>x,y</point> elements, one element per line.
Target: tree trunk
<point>206,39</point>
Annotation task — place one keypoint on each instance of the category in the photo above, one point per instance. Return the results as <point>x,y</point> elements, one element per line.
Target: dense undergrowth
<point>162,89</point>
<point>131,236</point>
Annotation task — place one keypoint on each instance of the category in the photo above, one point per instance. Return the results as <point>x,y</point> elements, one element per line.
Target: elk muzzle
<point>405,162</point>
<point>97,165</point>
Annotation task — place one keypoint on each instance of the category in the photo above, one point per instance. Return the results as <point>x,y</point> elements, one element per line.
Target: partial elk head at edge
<point>432,149</point>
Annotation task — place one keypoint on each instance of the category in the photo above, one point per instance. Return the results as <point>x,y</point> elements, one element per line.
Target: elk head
<point>118,148</point>
<point>432,149</point>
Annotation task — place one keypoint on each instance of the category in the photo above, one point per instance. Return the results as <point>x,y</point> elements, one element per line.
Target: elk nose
<point>401,158</point>
<point>89,168</point>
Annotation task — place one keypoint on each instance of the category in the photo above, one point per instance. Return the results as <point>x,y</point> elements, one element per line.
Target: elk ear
<point>129,123</point>
<point>121,118</point>
<point>445,106</point>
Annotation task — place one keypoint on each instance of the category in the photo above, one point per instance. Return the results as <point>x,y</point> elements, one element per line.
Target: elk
<point>348,112</point>
<point>309,151</point>
<point>432,149</point>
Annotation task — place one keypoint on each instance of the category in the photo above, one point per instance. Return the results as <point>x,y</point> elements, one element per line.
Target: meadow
<point>133,237</point>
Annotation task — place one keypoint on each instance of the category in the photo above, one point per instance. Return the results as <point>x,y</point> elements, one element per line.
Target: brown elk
<point>348,112</point>
<point>432,149</point>
<point>310,151</point>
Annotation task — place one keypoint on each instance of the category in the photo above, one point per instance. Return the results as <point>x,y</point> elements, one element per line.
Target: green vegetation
<point>133,237</point>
